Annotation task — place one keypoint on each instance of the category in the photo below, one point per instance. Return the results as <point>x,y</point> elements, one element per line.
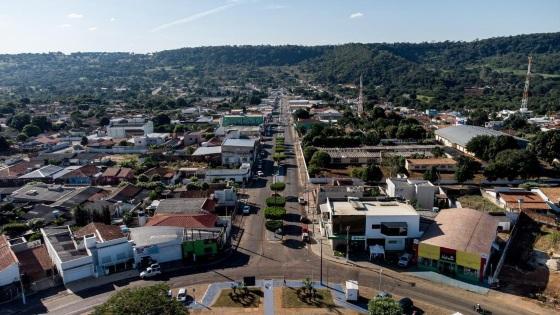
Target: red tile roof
<point>35,262</point>
<point>124,172</point>
<point>111,172</point>
<point>17,170</point>
<point>84,171</point>
<point>7,256</point>
<point>103,231</point>
<point>531,201</point>
<point>185,221</point>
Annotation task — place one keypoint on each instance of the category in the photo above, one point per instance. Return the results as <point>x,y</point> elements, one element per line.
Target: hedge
<point>278,186</point>
<point>275,201</point>
<point>279,148</point>
<point>273,225</point>
<point>274,213</point>
<point>14,228</point>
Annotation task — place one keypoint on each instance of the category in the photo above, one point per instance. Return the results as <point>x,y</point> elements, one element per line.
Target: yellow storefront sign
<point>468,260</point>
<point>428,251</point>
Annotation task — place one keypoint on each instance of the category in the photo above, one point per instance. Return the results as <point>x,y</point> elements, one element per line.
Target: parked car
<point>182,295</point>
<point>151,271</point>
<point>260,173</point>
<point>246,209</point>
<point>404,260</point>
<point>301,200</point>
<point>305,237</point>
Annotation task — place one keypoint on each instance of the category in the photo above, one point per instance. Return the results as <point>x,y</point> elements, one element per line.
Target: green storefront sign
<point>208,247</point>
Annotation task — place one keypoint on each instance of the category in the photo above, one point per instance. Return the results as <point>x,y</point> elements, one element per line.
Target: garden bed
<point>298,298</point>
<point>228,298</point>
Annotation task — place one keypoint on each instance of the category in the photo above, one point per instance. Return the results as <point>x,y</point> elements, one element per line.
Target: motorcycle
<point>477,308</point>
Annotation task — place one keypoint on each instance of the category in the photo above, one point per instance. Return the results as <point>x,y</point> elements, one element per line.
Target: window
<point>394,228</point>
<point>376,226</point>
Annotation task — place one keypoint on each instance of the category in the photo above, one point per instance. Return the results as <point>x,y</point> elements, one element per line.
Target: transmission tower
<point>525,99</point>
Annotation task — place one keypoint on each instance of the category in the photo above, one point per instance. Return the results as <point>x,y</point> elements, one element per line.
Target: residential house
<point>242,120</point>
<point>551,195</point>
<point>164,174</point>
<point>517,200</point>
<point>9,264</point>
<point>44,174</point>
<point>190,138</point>
<point>420,192</point>
<point>83,175</point>
<point>115,175</point>
<point>40,193</point>
<point>240,175</point>
<point>185,206</point>
<point>460,250</point>
<point>156,243</point>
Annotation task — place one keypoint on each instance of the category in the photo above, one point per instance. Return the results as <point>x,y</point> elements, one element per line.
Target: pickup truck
<point>151,271</point>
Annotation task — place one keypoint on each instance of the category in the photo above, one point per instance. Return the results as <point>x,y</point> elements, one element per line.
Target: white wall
<point>9,274</point>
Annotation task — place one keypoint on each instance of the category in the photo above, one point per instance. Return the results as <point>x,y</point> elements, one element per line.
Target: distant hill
<point>413,74</point>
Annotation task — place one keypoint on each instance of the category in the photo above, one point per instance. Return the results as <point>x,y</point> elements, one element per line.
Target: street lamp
<point>380,272</point>
<point>347,241</point>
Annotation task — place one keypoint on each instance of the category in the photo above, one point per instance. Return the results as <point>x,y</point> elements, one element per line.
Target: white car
<point>150,272</point>
<point>260,173</point>
<point>301,200</point>
<point>182,295</point>
<point>404,260</point>
<point>246,209</point>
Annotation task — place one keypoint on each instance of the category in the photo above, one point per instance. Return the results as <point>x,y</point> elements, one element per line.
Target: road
<point>291,259</point>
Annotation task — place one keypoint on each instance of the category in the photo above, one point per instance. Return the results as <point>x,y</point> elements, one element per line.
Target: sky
<point>154,25</point>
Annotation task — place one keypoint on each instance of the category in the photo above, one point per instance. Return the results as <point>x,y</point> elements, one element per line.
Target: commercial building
<point>157,243</point>
<point>458,136</point>
<point>421,192</point>
<point>129,127</point>
<point>422,165</point>
<point>240,175</point>
<point>375,154</point>
<point>242,120</point>
<point>459,244</point>
<point>238,151</point>
<point>367,221</point>
<point>40,193</point>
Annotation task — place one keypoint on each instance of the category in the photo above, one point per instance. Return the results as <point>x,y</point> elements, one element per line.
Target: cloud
<point>112,19</point>
<point>65,25</point>
<point>196,16</point>
<point>92,29</point>
<point>75,16</point>
<point>276,7</point>
<point>356,15</point>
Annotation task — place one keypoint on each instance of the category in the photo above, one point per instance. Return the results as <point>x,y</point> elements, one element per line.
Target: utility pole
<point>347,241</point>
<point>321,264</point>
<point>380,272</point>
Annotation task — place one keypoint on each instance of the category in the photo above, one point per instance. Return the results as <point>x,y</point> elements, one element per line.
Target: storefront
<point>465,266</point>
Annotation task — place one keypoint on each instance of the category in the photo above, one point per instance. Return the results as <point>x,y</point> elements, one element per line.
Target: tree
<point>511,164</point>
<point>31,130</point>
<point>42,122</point>
<point>278,186</point>
<point>301,113</point>
<point>308,153</point>
<point>22,137</point>
<point>371,138</point>
<point>431,174</point>
<point>478,117</point>
<point>546,145</point>
<point>368,174</point>
<point>516,122</point>
<point>466,169</point>
<point>487,147</point>
<point>143,178</point>
<point>161,119</point>
<point>84,141</point>
<point>81,216</point>
<point>320,159</point>
<point>384,306</point>
<point>106,215</point>
<point>104,121</point>
<point>19,121</point>
<point>479,146</point>
<point>142,300</point>
<point>4,144</point>
<point>395,164</point>
<point>437,152</point>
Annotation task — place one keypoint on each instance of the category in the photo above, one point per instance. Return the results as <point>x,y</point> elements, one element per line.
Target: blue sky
<point>153,25</point>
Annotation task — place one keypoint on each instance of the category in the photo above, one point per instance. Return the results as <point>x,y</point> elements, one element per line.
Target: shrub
<point>275,201</point>
<point>279,148</point>
<point>274,213</point>
<point>14,228</point>
<point>273,225</point>
<point>278,186</point>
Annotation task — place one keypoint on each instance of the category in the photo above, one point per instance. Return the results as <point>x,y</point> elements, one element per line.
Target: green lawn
<point>424,98</point>
<point>228,299</point>
<point>479,203</point>
<point>295,298</point>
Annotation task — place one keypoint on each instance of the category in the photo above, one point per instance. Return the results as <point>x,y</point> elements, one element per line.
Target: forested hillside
<point>420,75</point>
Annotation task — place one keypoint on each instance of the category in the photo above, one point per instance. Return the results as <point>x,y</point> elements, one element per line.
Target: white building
<point>127,127</point>
<point>157,243</point>
<point>70,257</point>
<point>368,222</point>
<point>421,191</point>
<point>9,264</point>
<point>238,151</point>
<point>237,175</point>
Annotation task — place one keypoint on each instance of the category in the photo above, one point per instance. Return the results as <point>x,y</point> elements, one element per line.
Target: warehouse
<point>458,244</point>
<point>458,136</point>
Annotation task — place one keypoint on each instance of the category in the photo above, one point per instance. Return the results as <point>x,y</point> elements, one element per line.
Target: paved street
<point>290,259</point>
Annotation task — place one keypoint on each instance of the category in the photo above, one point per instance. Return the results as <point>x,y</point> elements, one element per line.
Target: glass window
<point>376,226</point>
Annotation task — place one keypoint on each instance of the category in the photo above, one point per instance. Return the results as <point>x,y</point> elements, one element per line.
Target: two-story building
<point>238,151</point>
<point>128,127</point>
<point>369,221</point>
<point>420,192</point>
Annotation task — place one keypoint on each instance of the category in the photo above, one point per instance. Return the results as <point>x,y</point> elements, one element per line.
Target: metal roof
<point>462,134</point>
<point>207,151</point>
<point>240,143</point>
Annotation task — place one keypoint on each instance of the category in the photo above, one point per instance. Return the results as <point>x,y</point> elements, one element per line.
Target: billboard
<point>428,251</point>
<point>468,260</point>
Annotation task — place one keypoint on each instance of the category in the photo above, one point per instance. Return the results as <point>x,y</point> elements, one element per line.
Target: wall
<point>9,274</point>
